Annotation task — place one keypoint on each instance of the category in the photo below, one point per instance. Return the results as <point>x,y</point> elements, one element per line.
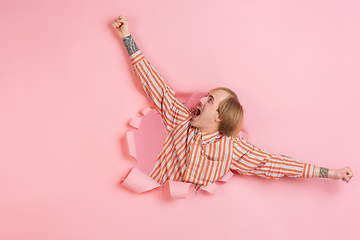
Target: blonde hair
<point>231,113</point>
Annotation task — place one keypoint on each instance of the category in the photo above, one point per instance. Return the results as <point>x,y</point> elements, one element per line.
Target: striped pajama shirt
<point>201,158</point>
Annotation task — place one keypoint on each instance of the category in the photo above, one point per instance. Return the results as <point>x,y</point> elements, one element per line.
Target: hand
<point>344,174</point>
<point>121,26</point>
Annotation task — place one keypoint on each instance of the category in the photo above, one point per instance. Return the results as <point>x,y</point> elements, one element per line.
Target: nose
<point>202,100</point>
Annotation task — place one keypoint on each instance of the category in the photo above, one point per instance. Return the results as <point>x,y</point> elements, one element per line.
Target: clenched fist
<point>121,26</point>
<point>344,174</point>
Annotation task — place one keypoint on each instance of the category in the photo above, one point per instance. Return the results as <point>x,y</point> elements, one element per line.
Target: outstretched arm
<point>251,160</point>
<point>159,92</point>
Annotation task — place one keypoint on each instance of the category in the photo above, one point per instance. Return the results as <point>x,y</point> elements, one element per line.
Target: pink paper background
<point>67,92</point>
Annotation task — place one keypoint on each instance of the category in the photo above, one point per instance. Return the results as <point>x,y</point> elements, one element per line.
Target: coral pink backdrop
<point>67,92</point>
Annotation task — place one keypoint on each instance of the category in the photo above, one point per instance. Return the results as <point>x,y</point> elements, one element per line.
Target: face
<point>207,117</point>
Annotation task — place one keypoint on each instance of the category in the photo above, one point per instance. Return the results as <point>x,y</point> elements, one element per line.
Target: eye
<point>210,100</point>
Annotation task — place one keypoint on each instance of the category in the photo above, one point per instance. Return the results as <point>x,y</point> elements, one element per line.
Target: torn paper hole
<point>144,144</point>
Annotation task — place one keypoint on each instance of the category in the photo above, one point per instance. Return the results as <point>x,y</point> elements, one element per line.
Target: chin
<point>192,123</point>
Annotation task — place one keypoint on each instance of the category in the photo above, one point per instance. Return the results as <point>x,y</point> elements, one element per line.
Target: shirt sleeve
<point>250,160</point>
<point>160,93</point>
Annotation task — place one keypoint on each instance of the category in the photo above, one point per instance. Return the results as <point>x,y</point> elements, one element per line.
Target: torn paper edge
<point>139,182</point>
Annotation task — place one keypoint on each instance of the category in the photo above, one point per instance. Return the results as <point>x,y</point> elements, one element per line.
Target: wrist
<point>124,35</point>
<point>334,174</point>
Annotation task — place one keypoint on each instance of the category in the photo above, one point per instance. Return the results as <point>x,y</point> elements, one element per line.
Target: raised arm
<point>160,93</point>
<point>251,160</point>
<point>121,26</point>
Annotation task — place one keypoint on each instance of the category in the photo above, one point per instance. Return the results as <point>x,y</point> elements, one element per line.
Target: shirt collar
<point>207,137</point>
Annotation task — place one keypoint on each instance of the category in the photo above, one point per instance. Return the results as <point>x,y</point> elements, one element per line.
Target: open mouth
<point>197,111</point>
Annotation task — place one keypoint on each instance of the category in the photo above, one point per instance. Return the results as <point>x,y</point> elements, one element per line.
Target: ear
<point>218,119</point>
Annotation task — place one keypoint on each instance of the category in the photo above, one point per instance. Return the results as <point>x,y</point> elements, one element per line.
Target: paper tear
<point>131,143</point>
<point>145,111</point>
<point>135,122</point>
<point>212,188</point>
<point>244,135</point>
<point>179,190</point>
<point>226,177</point>
<point>139,182</point>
